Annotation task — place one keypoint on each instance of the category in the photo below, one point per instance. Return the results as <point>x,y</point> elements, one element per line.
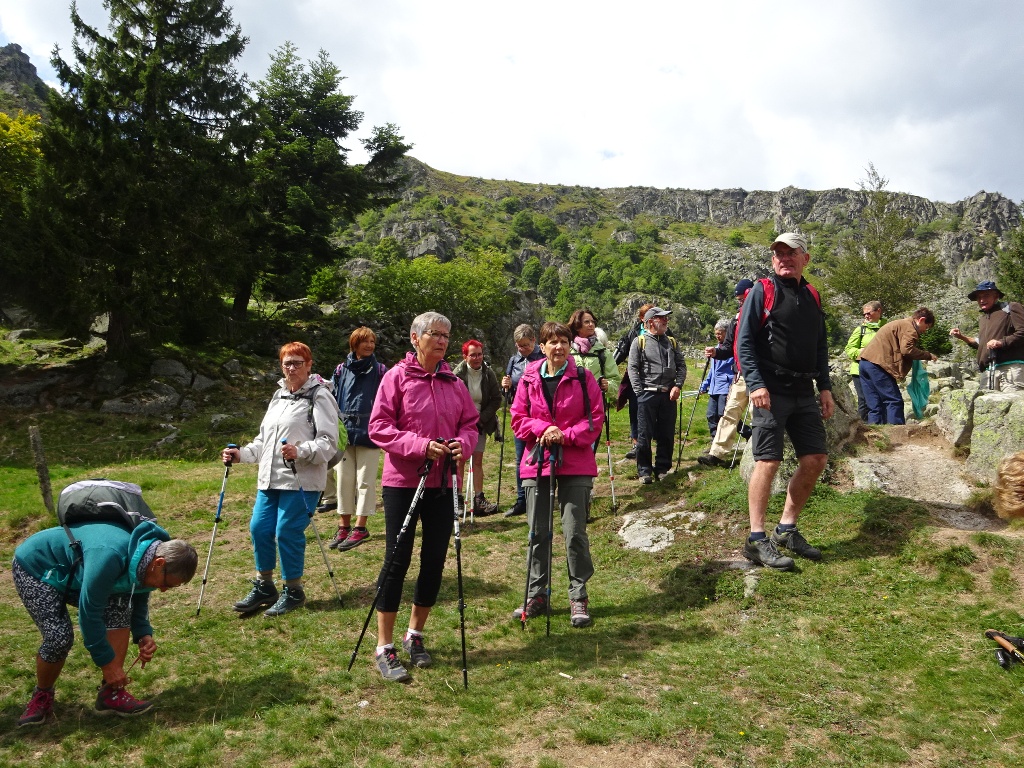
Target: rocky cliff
<point>20,86</point>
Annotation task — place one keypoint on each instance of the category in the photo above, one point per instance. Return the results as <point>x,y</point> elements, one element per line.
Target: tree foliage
<point>301,182</point>
<point>1010,265</point>
<point>471,291</point>
<point>138,171</point>
<point>880,259</point>
<point>19,159</point>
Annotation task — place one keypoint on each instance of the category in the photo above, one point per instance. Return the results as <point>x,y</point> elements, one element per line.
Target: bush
<point>325,285</point>
<point>735,238</point>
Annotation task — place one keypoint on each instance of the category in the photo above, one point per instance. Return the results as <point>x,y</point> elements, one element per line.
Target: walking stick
<point>554,457</point>
<point>608,447</point>
<point>458,568</point>
<point>532,545</point>
<point>501,450</point>
<point>736,447</point>
<point>469,507</point>
<point>386,568</point>
<point>319,541</point>
<point>216,520</point>
<point>679,456</point>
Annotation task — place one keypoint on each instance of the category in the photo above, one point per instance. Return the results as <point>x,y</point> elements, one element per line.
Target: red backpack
<point>769,301</point>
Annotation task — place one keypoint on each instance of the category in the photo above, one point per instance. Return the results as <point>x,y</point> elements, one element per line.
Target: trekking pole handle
<point>289,462</point>
<point>229,446</point>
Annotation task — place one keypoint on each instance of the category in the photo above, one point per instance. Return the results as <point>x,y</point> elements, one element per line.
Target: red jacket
<point>531,416</point>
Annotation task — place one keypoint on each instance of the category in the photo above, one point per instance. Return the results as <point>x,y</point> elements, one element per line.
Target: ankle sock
<point>410,632</point>
<point>758,536</point>
<point>382,648</point>
<point>785,528</point>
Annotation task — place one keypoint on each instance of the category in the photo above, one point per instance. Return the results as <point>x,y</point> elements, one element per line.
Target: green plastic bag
<point>919,388</point>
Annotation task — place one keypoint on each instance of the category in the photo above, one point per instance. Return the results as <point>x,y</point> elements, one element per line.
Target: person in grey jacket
<point>657,371</point>
<point>304,414</point>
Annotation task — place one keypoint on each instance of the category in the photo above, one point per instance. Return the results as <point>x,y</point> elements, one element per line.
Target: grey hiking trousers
<point>573,501</point>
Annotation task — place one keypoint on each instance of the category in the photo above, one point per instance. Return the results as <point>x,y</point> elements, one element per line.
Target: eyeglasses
<point>292,363</point>
<point>438,335</point>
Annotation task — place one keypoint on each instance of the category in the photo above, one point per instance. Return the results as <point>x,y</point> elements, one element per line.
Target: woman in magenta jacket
<point>422,411</point>
<point>558,407</point>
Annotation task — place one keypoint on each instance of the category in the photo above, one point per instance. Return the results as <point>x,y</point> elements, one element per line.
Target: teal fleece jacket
<point>110,563</point>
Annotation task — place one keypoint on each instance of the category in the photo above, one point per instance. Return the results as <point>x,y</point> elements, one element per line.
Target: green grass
<point>872,657</point>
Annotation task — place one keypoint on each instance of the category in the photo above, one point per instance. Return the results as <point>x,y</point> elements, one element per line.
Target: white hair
<point>423,322</point>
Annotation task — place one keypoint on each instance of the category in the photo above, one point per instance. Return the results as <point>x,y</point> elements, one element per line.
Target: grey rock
<point>955,415</point>
<point>998,431</point>
<point>100,325</point>
<point>171,369</point>
<point>141,404</point>
<point>202,383</point>
<point>232,366</point>
<point>162,389</point>
<point>109,378</point>
<point>22,333</point>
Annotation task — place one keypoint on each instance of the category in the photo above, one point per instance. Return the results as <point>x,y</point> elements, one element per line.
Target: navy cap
<point>743,286</point>
<point>985,285</point>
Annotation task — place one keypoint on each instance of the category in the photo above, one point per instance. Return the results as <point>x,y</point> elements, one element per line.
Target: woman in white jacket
<point>297,439</point>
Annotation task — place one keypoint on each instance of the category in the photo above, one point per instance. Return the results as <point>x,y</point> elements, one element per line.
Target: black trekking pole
<point>554,458</point>
<point>386,569</point>
<point>501,450</point>
<point>458,567</point>
<point>319,541</point>
<point>532,545</point>
<point>696,399</point>
<point>216,521</point>
<point>608,449</point>
<point>739,427</point>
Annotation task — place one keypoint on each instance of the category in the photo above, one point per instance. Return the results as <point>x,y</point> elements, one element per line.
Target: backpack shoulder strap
<point>581,376</point>
<point>769,297</point>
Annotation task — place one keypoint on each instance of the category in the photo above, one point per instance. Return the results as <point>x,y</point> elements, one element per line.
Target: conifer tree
<point>140,169</point>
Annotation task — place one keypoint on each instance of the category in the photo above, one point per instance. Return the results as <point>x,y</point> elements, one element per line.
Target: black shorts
<point>796,415</point>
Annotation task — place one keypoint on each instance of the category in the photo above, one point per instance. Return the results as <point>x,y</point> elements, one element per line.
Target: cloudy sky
<point>733,93</point>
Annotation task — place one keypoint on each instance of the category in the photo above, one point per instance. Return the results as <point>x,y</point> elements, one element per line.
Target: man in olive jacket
<point>1000,340</point>
<point>889,357</point>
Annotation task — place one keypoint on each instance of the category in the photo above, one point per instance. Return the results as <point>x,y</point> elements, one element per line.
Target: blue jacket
<point>720,376</point>
<point>517,366</point>
<point>110,563</point>
<point>355,384</point>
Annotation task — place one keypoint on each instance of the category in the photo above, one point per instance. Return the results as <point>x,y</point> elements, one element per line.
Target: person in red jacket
<point>558,409</point>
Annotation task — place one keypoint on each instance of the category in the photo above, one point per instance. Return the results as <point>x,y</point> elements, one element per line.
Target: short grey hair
<point>180,559</point>
<point>423,322</point>
<point>524,331</point>
<point>723,324</point>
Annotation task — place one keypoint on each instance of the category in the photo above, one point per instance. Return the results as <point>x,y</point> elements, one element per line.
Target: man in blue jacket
<point>110,587</point>
<point>783,351</point>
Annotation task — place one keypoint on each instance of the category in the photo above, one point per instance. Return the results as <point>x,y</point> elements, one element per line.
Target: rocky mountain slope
<point>21,88</point>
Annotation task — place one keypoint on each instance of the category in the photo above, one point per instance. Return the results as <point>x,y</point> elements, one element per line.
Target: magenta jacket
<point>531,416</point>
<point>414,407</point>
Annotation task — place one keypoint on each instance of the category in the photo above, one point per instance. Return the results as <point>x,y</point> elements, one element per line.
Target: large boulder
<point>998,431</point>
<point>955,416</point>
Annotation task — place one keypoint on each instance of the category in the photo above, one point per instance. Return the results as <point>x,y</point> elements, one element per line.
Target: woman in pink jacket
<point>558,408</point>
<point>422,411</point>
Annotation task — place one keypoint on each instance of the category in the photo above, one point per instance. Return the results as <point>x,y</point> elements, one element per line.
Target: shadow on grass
<point>887,527</point>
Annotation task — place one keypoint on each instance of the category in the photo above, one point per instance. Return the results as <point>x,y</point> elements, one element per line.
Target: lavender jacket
<point>413,407</point>
<point>531,416</point>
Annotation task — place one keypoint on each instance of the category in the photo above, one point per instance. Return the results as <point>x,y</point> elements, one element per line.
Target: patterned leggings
<point>46,606</point>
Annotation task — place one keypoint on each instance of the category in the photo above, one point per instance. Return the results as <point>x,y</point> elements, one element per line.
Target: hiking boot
<point>710,460</point>
<point>263,593</point>
<point>340,537</point>
<point>631,453</point>
<point>390,667</point>
<point>763,552</point>
<point>328,506</point>
<point>796,543</point>
<point>646,479</point>
<point>357,537</point>
<point>535,606</point>
<point>291,598</point>
<point>39,709</point>
<point>482,507</point>
<point>117,701</point>
<point>413,645</point>
<point>579,613</point>
<point>519,508</point>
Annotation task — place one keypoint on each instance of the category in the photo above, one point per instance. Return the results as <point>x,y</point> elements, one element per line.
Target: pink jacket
<point>414,407</point>
<point>531,416</point>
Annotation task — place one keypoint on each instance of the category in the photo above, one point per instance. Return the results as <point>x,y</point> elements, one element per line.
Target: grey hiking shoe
<point>579,613</point>
<point>391,668</point>
<point>763,552</point>
<point>263,594</point>
<point>796,543</point>
<point>413,645</point>
<point>535,606</point>
<point>710,460</point>
<point>291,598</point>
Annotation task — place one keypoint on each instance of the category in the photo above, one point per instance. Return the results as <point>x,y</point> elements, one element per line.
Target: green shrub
<point>325,285</point>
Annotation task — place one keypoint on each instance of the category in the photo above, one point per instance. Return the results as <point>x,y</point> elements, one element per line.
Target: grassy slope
<point>874,656</point>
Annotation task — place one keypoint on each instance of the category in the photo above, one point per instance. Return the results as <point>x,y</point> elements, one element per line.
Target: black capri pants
<point>436,511</point>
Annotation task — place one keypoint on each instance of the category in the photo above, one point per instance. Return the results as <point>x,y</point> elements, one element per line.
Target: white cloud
<point>734,94</point>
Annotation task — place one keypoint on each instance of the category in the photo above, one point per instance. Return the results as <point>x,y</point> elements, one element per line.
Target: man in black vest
<point>782,352</point>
